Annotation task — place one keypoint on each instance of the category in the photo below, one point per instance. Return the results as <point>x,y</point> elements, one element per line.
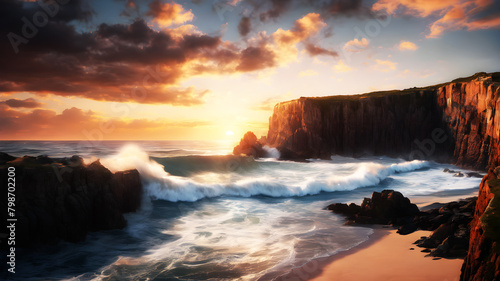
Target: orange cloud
<point>384,65</point>
<point>342,67</point>
<point>303,28</point>
<point>356,45</point>
<point>407,46</point>
<point>485,23</point>
<point>302,31</point>
<point>74,123</point>
<point>167,14</point>
<point>454,14</point>
<point>422,8</point>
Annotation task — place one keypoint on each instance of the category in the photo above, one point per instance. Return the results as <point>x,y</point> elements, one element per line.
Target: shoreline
<point>352,263</point>
<point>365,261</point>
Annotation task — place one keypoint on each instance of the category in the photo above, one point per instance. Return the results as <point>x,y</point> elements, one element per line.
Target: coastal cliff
<point>483,259</point>
<point>456,122</point>
<point>64,199</point>
<point>471,112</point>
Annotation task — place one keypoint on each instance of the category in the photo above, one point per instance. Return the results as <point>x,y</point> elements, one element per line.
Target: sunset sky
<point>184,70</point>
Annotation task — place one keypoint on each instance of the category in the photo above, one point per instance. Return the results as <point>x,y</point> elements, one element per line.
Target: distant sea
<point>208,217</point>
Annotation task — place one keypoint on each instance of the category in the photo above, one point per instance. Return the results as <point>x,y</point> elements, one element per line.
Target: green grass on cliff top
<point>495,76</point>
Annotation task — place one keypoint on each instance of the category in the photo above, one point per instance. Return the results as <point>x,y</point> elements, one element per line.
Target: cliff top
<point>480,76</point>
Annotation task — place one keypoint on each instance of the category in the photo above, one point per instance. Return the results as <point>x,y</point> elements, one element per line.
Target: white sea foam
<point>161,185</point>
<point>272,152</point>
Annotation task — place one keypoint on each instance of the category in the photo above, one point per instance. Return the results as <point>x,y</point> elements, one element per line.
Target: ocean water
<point>209,216</point>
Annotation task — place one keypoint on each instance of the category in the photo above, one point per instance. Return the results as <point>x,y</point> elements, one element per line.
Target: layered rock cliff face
<point>471,112</point>
<point>65,199</point>
<point>455,122</point>
<point>483,261</point>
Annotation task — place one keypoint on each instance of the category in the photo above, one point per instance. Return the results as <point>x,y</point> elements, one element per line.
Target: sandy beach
<point>386,256</point>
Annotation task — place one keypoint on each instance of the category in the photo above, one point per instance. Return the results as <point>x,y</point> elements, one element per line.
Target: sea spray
<point>272,152</point>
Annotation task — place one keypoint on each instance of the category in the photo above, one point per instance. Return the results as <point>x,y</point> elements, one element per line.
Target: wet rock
<point>62,199</point>
<point>448,223</point>
<point>350,211</point>
<point>386,207</point>
<point>474,175</point>
<point>4,158</point>
<point>249,146</point>
<point>407,229</point>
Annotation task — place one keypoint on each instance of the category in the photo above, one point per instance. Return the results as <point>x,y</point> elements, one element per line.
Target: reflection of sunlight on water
<point>128,261</point>
<point>213,178</point>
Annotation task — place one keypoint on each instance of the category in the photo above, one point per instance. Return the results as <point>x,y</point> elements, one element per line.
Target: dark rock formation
<point>483,259</point>
<point>4,158</point>
<point>460,174</point>
<point>457,122</point>
<point>249,146</point>
<point>374,124</point>
<point>65,199</point>
<point>449,223</point>
<point>387,207</point>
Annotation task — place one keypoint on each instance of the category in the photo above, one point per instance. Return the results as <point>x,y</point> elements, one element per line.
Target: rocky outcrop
<point>483,259</point>
<point>449,226</point>
<point>449,223</point>
<point>386,207</point>
<point>457,122</point>
<point>249,146</point>
<point>63,199</point>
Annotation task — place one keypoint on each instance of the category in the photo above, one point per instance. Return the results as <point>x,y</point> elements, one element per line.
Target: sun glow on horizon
<point>229,133</point>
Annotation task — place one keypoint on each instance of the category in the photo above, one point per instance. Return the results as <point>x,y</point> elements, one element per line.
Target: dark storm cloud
<point>277,8</point>
<point>254,58</point>
<point>266,10</point>
<point>245,26</point>
<point>128,62</point>
<point>137,32</point>
<point>315,50</point>
<point>117,62</point>
<point>26,103</point>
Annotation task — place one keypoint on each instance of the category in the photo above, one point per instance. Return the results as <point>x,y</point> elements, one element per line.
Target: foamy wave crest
<point>161,185</point>
<point>272,152</point>
<point>133,157</point>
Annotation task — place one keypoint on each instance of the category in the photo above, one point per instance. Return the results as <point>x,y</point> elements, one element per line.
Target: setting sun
<point>229,133</point>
